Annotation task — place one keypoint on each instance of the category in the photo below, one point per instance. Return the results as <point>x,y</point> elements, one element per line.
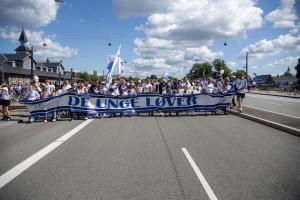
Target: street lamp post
<point>246,65</point>
<point>31,69</point>
<point>59,77</point>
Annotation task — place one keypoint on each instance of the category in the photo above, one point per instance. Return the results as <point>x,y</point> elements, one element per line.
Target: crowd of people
<point>120,87</point>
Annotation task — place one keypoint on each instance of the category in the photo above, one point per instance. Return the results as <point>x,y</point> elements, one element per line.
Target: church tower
<point>23,49</point>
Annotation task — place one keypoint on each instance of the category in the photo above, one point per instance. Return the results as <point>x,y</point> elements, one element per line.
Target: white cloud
<point>284,62</point>
<point>157,66</point>
<point>202,54</point>
<point>232,65</point>
<point>263,48</point>
<point>192,20</point>
<point>179,31</point>
<point>37,39</point>
<point>30,13</point>
<point>133,8</point>
<point>284,16</point>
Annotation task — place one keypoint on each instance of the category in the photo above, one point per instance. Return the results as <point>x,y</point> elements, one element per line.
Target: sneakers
<point>31,119</point>
<point>5,118</point>
<point>53,120</point>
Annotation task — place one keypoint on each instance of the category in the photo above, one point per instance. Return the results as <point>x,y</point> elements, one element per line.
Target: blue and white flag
<point>113,61</point>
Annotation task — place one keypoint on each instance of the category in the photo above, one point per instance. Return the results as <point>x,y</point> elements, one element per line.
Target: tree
<point>238,73</point>
<point>154,77</point>
<point>198,70</point>
<point>270,80</point>
<point>219,64</point>
<point>288,72</point>
<point>297,68</point>
<point>83,75</point>
<point>94,76</point>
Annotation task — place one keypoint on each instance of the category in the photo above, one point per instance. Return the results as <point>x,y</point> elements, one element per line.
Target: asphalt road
<point>284,105</point>
<point>142,158</point>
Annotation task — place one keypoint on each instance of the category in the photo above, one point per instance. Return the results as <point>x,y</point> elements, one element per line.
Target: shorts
<point>240,95</point>
<point>4,102</point>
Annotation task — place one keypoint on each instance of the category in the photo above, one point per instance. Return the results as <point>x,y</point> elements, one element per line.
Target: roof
<point>22,48</point>
<point>3,58</point>
<point>22,71</point>
<point>52,64</point>
<point>16,56</point>
<point>40,65</point>
<point>23,37</point>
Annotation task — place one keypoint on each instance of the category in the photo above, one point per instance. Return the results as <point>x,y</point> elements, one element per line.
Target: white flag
<point>113,61</point>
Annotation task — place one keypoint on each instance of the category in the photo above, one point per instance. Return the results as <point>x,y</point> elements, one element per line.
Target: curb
<point>287,129</point>
<point>15,107</point>
<point>276,95</point>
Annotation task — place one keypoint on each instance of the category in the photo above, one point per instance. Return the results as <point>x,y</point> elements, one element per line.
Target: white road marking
<point>273,112</point>
<point>273,98</point>
<point>20,168</point>
<point>200,176</point>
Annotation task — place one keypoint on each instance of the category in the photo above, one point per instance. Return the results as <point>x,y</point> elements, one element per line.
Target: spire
<point>23,38</point>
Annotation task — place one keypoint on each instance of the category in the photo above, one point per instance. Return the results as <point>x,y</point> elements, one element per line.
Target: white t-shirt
<point>5,93</point>
<point>52,87</point>
<point>65,88</point>
<point>81,90</point>
<point>146,87</point>
<point>241,85</point>
<point>209,88</point>
<point>220,85</point>
<point>32,95</point>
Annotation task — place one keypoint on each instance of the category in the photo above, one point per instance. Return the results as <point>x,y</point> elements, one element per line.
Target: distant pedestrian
<point>241,84</point>
<point>5,101</point>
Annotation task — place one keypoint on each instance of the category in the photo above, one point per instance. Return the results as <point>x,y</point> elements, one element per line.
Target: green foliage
<point>154,77</point>
<point>207,69</point>
<point>198,70</point>
<point>130,78</point>
<point>270,80</point>
<point>288,72</point>
<point>219,65</point>
<point>89,77</point>
<point>238,73</point>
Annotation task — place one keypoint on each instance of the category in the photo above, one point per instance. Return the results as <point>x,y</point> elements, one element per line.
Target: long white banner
<point>122,104</point>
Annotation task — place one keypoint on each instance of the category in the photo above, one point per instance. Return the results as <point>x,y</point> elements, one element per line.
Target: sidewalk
<point>284,123</point>
<point>275,93</point>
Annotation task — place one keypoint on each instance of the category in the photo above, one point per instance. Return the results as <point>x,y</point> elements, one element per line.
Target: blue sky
<point>157,36</point>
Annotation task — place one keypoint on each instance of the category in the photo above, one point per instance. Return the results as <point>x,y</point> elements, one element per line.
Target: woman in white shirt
<point>5,101</point>
<point>32,94</point>
<point>209,88</point>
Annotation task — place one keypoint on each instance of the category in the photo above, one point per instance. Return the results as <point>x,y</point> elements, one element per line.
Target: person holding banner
<point>209,88</point>
<point>32,95</point>
<point>5,101</point>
